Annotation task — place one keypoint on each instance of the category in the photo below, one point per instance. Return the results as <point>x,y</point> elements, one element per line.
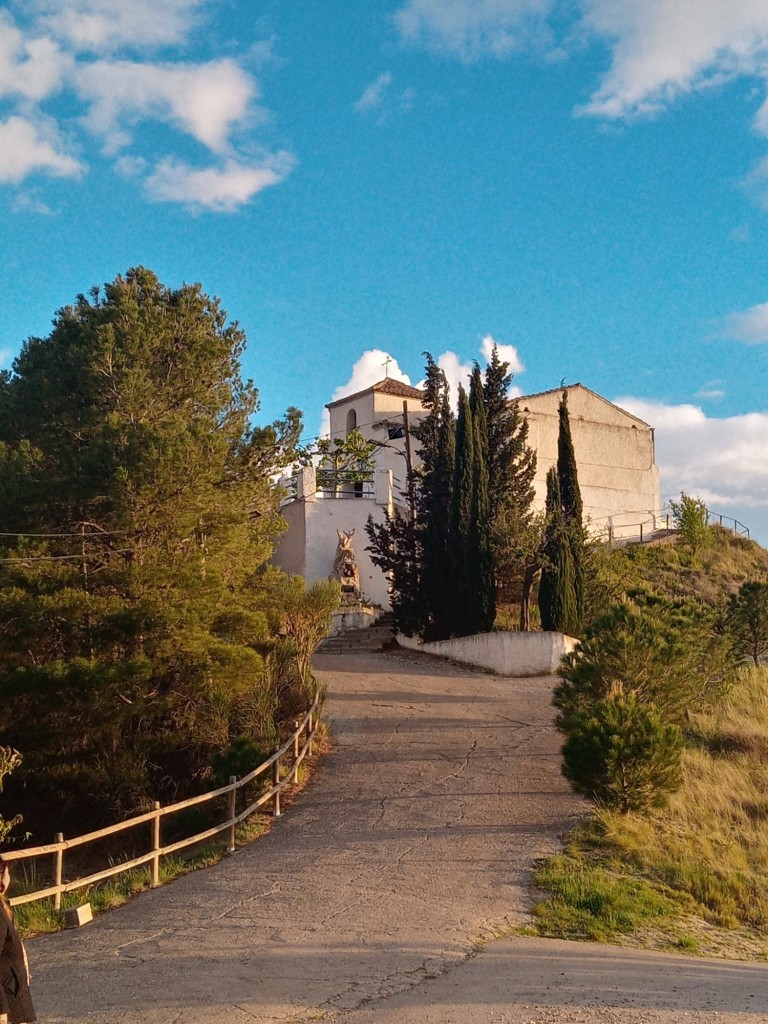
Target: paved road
<point>366,901</point>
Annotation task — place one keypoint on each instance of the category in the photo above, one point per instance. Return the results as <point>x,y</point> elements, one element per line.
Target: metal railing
<point>296,748</point>
<point>737,529</point>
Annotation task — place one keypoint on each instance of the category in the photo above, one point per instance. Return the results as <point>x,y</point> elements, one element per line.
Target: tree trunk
<point>525,599</point>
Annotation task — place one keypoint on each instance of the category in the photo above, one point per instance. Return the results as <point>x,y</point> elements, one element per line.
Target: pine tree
<point>557,595</point>
<point>132,636</point>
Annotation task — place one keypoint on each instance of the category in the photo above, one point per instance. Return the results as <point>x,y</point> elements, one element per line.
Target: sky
<point>583,182</point>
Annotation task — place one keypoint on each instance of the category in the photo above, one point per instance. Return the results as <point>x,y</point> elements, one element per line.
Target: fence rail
<point>295,749</point>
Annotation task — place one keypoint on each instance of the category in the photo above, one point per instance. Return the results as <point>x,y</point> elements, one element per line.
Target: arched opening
<point>351,421</point>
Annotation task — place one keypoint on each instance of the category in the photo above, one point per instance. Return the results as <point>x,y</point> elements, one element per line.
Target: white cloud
<point>507,353</point>
<point>665,48</point>
<point>470,29</point>
<point>750,326</point>
<point>26,203</point>
<point>372,366</point>
<point>222,189</point>
<point>204,100</point>
<point>5,358</point>
<point>99,26</point>
<point>723,460</point>
<point>455,372</point>
<point>75,44</point>
<point>373,95</point>
<point>29,67</point>
<point>712,390</point>
<point>27,148</point>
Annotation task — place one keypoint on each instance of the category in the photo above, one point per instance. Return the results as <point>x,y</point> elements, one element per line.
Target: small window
<point>351,421</point>
<point>394,433</point>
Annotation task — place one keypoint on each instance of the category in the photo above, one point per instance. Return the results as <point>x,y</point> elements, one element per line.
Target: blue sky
<point>585,181</point>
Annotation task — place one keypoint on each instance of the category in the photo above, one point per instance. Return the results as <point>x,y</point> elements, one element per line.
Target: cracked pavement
<point>369,899</point>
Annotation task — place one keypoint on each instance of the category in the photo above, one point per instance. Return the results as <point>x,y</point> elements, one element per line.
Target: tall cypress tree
<point>511,463</point>
<point>572,506</point>
<point>485,586</point>
<point>557,594</point>
<point>461,523</point>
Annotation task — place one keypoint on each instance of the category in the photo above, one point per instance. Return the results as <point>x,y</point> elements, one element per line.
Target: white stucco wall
<point>614,452</point>
<point>506,654</point>
<point>308,546</point>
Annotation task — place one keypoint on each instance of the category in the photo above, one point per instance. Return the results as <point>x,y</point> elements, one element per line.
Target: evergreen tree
<point>132,635</point>
<point>515,538</point>
<point>557,595</point>
<point>463,545</point>
<point>483,566</point>
<point>572,506</point>
<point>511,463</point>
<point>437,437</point>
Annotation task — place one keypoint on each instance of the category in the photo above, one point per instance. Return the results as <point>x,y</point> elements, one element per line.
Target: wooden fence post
<point>276,782</point>
<point>58,869</point>
<point>156,845</point>
<point>296,741</point>
<point>232,811</point>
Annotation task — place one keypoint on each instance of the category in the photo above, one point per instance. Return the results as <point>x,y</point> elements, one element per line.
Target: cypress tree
<point>511,463</point>
<point>483,570</point>
<point>436,434</point>
<point>461,523</point>
<point>557,594</point>
<point>572,507</point>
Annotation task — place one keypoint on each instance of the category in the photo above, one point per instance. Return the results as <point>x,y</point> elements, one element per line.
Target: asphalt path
<point>378,896</point>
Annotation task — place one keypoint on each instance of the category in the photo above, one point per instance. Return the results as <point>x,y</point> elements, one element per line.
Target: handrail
<point>297,744</point>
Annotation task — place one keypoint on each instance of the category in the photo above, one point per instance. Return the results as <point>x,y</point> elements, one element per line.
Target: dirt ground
<point>377,896</point>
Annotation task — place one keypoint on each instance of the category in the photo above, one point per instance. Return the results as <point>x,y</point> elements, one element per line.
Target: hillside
<point>692,873</point>
<point>667,567</point>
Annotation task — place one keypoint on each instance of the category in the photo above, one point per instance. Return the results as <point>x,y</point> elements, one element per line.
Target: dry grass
<point>709,848</point>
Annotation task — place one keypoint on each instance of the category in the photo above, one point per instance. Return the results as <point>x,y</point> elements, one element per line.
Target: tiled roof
<point>389,386</point>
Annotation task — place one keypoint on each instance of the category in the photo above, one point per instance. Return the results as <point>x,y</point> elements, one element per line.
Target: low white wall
<point>352,618</point>
<point>507,654</point>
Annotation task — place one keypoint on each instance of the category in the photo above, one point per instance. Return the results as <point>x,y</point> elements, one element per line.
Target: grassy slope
<point>693,876</point>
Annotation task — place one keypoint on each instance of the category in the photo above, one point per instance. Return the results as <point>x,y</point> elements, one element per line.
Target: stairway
<point>361,641</point>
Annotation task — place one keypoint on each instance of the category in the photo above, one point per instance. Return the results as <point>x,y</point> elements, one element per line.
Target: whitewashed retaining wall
<point>506,654</point>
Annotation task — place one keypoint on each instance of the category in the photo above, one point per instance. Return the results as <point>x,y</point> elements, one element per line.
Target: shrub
<point>690,516</point>
<point>670,654</point>
<point>241,757</point>
<point>621,754</point>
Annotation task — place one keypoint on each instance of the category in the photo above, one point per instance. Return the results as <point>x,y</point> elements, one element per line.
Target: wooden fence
<point>295,749</point>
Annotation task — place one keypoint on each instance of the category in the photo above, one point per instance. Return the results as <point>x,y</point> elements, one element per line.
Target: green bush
<point>241,757</point>
<point>621,754</point>
<point>670,654</point>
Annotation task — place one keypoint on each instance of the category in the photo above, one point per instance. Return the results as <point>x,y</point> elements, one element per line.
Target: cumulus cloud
<point>27,148</point>
<point>749,326</point>
<point>665,48</point>
<point>5,357</point>
<point>203,100</point>
<point>370,368</point>
<point>373,94</point>
<point>470,29</point>
<point>99,26</point>
<point>507,353</point>
<point>50,47</point>
<point>723,460</point>
<point>221,189</point>
<point>29,67</point>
